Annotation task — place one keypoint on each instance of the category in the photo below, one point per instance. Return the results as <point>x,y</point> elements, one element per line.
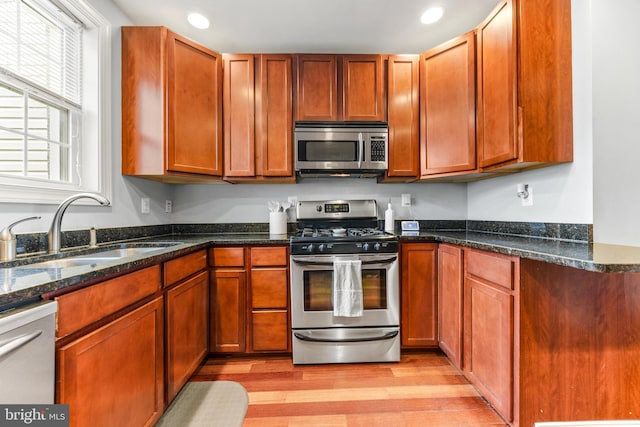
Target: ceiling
<point>312,26</point>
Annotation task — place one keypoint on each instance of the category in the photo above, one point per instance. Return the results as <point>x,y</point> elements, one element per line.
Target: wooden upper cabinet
<point>340,88</point>
<point>316,88</point>
<point>448,108</point>
<point>258,139</point>
<point>524,100</point>
<point>363,88</point>
<point>403,116</point>
<point>239,115</point>
<point>274,128</point>
<point>171,107</point>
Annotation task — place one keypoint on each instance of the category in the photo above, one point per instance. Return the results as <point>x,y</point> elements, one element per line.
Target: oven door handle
<point>330,264</point>
<point>387,336</point>
<point>360,150</point>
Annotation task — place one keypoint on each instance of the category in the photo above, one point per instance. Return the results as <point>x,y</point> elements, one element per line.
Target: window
<point>54,100</point>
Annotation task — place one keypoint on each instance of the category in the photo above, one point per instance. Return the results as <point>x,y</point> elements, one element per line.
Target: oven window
<point>318,289</point>
<point>328,151</point>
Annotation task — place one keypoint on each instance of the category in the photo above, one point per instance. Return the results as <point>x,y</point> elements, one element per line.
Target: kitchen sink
<point>99,256</point>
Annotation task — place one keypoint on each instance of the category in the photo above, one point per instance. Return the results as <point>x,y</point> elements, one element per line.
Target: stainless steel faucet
<point>54,236</point>
<point>8,240</point>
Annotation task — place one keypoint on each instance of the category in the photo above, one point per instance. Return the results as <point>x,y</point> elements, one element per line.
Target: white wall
<point>560,193</point>
<point>248,203</point>
<point>616,121</point>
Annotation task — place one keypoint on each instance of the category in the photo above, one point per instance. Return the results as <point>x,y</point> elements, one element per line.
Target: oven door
<point>312,289</point>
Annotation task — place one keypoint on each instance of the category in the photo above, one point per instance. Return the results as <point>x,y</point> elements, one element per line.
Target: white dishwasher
<point>27,354</point>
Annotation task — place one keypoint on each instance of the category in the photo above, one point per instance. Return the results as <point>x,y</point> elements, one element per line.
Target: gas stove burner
<point>341,232</point>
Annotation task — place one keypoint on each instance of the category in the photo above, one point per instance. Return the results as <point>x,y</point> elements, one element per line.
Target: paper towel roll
<point>277,223</point>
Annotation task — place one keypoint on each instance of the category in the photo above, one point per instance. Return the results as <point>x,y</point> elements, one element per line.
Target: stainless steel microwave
<point>324,149</point>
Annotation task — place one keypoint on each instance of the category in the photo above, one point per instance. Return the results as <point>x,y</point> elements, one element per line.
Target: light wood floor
<point>421,390</point>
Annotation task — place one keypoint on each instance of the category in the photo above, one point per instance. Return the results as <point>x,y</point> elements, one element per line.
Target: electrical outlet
<point>293,200</point>
<point>168,206</point>
<point>145,205</point>
<point>406,200</point>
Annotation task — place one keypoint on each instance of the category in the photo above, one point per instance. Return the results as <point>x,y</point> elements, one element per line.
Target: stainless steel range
<point>344,285</point>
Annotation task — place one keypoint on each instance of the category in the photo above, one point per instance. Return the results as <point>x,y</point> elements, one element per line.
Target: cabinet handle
<point>386,336</point>
<point>18,342</point>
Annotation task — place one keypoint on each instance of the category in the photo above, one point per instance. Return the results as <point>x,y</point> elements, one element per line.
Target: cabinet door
<point>187,322</point>
<point>114,375</point>
<point>227,330</point>
<point>239,115</point>
<point>363,88</point>
<point>403,113</point>
<point>274,140</point>
<point>491,286</point>
<point>488,343</point>
<point>194,107</point>
<point>497,79</point>
<point>450,292</point>
<point>448,107</point>
<point>316,88</point>
<point>419,307</point>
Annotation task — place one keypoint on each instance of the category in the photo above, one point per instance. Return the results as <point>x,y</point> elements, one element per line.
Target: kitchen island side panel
<point>580,344</point>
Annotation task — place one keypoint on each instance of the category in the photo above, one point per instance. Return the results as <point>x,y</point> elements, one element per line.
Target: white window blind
<point>40,91</point>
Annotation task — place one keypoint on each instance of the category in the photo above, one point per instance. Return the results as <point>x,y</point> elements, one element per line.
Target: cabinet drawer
<point>269,288</point>
<point>269,256</point>
<point>227,257</point>
<point>269,331</point>
<point>180,268</point>
<point>81,308</point>
<point>493,268</point>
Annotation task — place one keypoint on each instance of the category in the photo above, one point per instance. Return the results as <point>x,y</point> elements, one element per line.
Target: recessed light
<point>432,15</point>
<point>198,20</point>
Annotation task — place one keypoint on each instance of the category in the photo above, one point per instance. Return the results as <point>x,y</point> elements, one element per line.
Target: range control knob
<point>365,246</point>
<point>318,208</point>
<point>376,246</point>
<point>321,247</point>
<point>310,247</point>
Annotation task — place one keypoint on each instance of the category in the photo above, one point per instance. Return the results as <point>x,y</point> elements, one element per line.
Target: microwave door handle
<point>360,150</point>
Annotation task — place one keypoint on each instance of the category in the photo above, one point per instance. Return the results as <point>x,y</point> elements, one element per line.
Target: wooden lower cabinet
<point>491,284</point>
<point>268,316</point>
<point>187,322</point>
<point>114,375</point>
<point>249,299</point>
<point>227,330</point>
<point>227,299</point>
<point>450,301</point>
<point>418,289</point>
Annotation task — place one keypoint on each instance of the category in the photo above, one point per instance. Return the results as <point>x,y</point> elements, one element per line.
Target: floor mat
<point>207,403</point>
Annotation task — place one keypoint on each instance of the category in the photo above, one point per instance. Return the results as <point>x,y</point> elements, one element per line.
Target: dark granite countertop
<point>582,255</point>
<point>22,284</point>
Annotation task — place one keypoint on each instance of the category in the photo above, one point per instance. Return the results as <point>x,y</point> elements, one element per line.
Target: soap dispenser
<point>388,219</point>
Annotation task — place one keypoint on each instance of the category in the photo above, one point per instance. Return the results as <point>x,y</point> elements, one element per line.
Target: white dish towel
<point>347,288</point>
